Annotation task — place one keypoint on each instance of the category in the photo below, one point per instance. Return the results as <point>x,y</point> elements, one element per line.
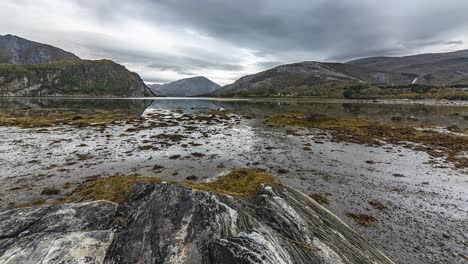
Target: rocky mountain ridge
<point>312,78</point>
<point>17,50</point>
<point>428,69</point>
<point>29,68</point>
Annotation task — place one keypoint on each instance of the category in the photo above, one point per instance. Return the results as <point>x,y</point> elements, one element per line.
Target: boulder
<point>171,223</point>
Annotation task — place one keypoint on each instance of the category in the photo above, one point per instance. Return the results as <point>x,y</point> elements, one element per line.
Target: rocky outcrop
<point>170,223</point>
<point>72,233</point>
<point>16,50</point>
<point>71,78</point>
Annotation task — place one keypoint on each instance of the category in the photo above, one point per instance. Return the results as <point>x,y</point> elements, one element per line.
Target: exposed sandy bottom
<point>425,220</point>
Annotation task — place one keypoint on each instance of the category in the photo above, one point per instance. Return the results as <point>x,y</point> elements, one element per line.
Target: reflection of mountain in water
<point>75,104</point>
<point>425,114</point>
<point>185,104</point>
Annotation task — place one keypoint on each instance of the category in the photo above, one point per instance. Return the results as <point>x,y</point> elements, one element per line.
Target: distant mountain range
<point>28,68</point>
<point>194,86</point>
<point>317,78</point>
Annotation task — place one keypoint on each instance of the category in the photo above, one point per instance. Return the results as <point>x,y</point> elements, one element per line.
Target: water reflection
<point>424,114</point>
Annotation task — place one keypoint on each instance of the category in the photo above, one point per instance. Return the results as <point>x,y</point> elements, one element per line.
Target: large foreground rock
<point>168,223</point>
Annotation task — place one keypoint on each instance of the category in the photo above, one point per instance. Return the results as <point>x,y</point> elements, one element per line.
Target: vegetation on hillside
<point>345,90</point>
<point>367,91</point>
<point>71,77</point>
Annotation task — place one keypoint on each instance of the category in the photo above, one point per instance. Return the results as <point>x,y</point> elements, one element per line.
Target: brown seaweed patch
<point>378,205</point>
<point>239,182</point>
<point>363,131</point>
<point>114,188</point>
<point>363,219</point>
<point>169,137</point>
<point>197,154</point>
<point>55,118</point>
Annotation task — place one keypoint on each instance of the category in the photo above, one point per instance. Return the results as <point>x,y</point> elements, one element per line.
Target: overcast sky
<point>223,40</point>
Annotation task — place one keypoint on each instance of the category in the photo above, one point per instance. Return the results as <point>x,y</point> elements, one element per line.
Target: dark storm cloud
<point>170,39</point>
<point>339,29</point>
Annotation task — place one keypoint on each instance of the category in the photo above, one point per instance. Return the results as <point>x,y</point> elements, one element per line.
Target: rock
<point>192,178</point>
<point>71,233</point>
<point>171,223</point>
<point>50,191</point>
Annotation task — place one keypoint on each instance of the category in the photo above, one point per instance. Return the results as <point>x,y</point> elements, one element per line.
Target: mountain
<point>305,78</point>
<point>186,87</point>
<point>428,69</point>
<point>16,50</point>
<point>71,78</point>
<point>330,79</point>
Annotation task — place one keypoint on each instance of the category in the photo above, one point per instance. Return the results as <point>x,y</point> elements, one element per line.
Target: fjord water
<point>421,114</point>
<point>349,175</point>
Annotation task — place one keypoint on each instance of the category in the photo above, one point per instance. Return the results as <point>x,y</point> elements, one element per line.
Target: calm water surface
<point>439,115</point>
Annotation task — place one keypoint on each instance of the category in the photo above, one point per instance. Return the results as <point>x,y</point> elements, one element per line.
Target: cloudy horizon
<point>224,40</point>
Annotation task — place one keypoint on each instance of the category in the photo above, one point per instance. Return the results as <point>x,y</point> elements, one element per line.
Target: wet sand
<point>424,213</point>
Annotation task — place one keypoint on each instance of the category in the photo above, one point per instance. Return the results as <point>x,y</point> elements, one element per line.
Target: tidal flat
<point>395,172</point>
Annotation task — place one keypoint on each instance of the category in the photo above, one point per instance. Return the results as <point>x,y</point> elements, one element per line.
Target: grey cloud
<point>331,29</point>
<point>150,79</point>
<point>277,32</point>
<point>270,64</point>
<point>454,42</point>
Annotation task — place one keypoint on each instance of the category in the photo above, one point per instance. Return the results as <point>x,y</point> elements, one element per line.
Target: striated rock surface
<point>170,223</point>
<point>72,233</point>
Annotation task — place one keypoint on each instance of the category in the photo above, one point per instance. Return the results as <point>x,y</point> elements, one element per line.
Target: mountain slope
<point>329,79</point>
<point>302,79</point>
<point>16,50</point>
<point>71,78</point>
<point>429,69</point>
<point>186,87</point>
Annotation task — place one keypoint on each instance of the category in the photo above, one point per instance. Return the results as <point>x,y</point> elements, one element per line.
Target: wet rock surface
<point>169,223</point>
<point>72,233</point>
